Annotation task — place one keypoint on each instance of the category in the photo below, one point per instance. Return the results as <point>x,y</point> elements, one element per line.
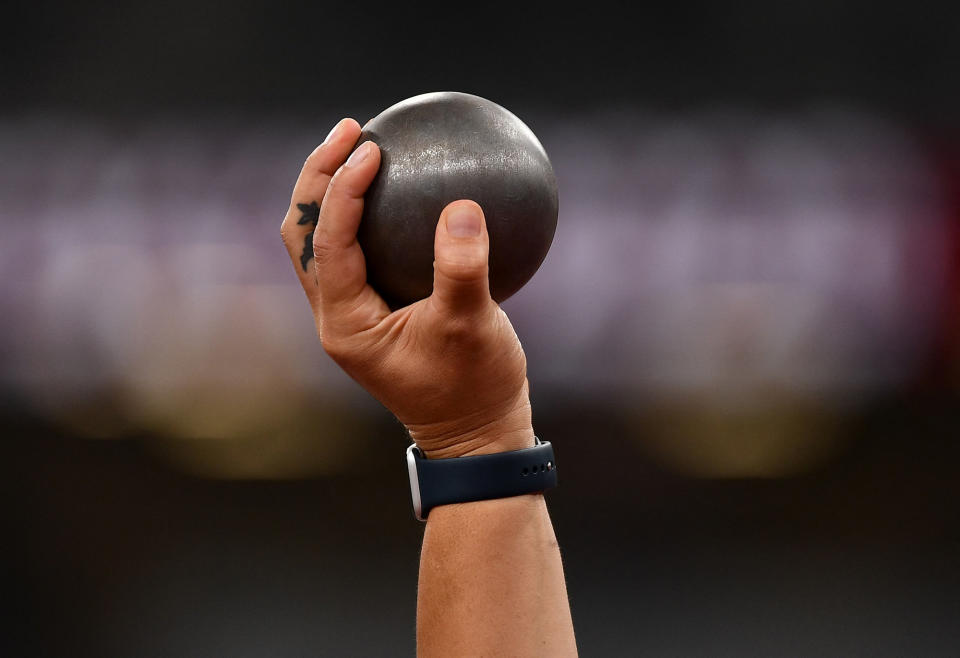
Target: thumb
<point>460,251</point>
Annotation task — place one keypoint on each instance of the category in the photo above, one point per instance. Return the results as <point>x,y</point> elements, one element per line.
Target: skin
<point>450,367</point>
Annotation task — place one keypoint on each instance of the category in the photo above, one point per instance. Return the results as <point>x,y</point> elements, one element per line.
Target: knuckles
<point>311,160</point>
<point>462,269</point>
<point>338,350</point>
<point>463,263</point>
<point>323,251</point>
<point>333,348</point>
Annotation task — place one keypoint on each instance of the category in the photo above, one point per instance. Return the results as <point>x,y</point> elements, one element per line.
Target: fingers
<point>345,298</point>
<point>301,219</point>
<point>461,248</point>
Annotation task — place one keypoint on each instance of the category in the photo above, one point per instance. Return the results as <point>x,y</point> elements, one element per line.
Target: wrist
<point>512,430</point>
<point>487,444</point>
<point>438,482</point>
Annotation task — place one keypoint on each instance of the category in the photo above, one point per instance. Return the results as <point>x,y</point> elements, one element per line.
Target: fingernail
<point>463,222</point>
<point>360,154</point>
<point>333,131</point>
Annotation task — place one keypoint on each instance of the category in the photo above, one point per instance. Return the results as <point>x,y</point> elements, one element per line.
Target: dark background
<point>149,148</point>
<point>240,56</point>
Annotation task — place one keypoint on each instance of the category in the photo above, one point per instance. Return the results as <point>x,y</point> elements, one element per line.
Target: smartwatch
<point>482,477</point>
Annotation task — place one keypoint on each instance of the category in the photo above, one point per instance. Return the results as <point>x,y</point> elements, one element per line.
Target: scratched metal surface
<point>441,147</point>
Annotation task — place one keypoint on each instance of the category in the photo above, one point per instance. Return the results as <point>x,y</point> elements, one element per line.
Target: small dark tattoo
<point>311,215</point>
<point>307,253</point>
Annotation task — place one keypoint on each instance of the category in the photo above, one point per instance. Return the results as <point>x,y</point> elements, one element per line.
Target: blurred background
<point>744,343</point>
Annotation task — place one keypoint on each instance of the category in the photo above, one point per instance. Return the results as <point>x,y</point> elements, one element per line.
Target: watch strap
<point>483,477</point>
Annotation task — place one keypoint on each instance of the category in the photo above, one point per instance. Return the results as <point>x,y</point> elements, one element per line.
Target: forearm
<point>491,582</point>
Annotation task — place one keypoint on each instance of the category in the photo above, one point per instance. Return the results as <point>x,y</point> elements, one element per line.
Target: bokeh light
<point>725,264</point>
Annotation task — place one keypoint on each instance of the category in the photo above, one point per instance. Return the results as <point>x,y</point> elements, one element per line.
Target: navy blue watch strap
<point>483,477</point>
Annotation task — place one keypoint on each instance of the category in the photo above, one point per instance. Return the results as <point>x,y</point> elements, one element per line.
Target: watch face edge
<point>412,454</point>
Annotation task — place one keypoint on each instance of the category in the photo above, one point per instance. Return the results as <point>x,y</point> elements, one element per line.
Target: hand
<point>450,367</point>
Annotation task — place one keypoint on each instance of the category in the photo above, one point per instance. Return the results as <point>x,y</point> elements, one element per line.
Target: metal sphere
<point>438,148</point>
